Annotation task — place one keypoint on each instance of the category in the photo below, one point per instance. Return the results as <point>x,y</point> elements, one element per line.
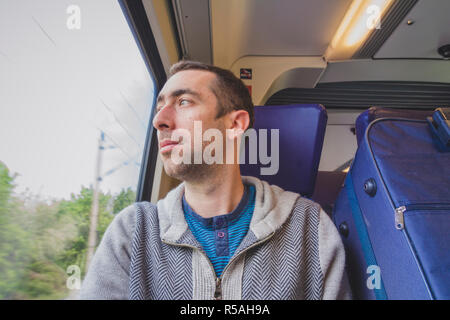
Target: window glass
<point>76,98</point>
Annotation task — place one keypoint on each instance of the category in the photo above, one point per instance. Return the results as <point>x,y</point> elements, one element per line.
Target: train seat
<point>327,188</point>
<point>301,134</point>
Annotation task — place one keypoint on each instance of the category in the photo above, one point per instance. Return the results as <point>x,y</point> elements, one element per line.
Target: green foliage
<point>79,209</point>
<point>43,280</point>
<point>15,253</point>
<point>39,240</point>
<point>6,186</point>
<point>15,244</point>
<point>124,199</point>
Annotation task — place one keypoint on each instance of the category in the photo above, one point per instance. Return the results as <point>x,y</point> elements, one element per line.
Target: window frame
<point>136,17</point>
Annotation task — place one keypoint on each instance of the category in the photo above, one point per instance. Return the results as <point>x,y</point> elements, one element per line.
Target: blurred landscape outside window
<point>75,102</point>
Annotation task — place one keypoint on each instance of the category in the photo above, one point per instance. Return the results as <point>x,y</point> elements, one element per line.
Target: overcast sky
<point>59,87</point>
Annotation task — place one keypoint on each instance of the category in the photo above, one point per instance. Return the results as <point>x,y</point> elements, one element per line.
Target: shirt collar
<point>221,221</point>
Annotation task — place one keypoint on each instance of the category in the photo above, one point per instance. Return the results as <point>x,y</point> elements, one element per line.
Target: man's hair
<point>231,93</point>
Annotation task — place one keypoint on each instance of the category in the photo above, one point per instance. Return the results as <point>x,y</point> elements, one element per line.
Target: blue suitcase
<point>393,214</point>
<point>440,126</point>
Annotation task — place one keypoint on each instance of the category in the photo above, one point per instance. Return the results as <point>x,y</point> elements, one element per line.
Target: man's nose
<point>164,118</point>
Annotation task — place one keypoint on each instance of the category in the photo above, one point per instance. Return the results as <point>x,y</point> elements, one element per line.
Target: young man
<point>217,235</point>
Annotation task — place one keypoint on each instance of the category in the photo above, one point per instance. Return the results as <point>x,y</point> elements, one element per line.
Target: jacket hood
<point>273,206</point>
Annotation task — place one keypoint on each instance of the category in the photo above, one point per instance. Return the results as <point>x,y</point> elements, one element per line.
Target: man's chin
<point>172,169</point>
<point>187,172</point>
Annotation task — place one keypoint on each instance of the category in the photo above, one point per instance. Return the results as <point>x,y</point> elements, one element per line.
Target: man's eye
<point>184,102</point>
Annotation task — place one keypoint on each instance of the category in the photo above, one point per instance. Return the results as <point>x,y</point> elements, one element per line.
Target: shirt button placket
<point>221,239</point>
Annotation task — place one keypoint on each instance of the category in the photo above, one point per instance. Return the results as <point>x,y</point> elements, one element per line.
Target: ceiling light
<point>361,19</point>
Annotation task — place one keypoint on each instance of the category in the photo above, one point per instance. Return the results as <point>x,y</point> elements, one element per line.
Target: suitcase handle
<point>440,127</point>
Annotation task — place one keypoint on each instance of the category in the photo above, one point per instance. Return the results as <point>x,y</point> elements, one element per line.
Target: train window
<point>76,99</point>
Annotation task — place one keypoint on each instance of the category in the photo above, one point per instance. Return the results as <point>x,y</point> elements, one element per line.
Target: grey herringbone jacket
<point>292,251</point>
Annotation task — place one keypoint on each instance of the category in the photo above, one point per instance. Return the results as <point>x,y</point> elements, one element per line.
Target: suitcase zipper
<point>400,211</point>
<point>399,219</point>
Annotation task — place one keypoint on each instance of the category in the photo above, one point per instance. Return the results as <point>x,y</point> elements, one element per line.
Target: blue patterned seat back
<point>301,134</point>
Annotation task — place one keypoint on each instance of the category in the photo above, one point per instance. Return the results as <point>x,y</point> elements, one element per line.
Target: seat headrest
<point>301,134</point>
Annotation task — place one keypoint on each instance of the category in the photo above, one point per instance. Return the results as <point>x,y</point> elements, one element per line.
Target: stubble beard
<point>190,172</point>
<point>195,172</point>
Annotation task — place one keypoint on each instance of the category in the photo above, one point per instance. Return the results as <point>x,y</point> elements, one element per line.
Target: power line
<point>124,163</point>
<point>114,142</point>
<point>120,124</point>
<point>43,30</point>
<point>5,56</point>
<point>134,110</point>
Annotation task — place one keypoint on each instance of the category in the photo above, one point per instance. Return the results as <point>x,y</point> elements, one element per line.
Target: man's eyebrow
<point>178,93</point>
<point>160,98</point>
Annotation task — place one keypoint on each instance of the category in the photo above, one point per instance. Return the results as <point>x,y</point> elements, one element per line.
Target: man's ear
<point>239,120</point>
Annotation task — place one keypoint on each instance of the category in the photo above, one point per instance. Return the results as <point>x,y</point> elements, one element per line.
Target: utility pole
<point>92,238</point>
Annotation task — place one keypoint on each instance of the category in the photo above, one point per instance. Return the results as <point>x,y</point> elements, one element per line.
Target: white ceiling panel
<point>430,30</point>
<point>273,27</point>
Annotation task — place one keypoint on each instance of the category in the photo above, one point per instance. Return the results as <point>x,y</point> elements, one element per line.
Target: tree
<point>79,208</point>
<point>39,240</point>
<point>124,199</point>
<point>15,245</point>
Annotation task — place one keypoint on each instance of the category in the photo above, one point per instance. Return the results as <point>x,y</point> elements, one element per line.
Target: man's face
<point>186,97</point>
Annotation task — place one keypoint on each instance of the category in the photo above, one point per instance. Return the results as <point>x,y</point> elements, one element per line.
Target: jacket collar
<point>273,206</point>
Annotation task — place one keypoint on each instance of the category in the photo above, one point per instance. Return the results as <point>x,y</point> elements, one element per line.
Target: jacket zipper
<point>189,246</point>
<point>400,211</point>
<point>218,290</point>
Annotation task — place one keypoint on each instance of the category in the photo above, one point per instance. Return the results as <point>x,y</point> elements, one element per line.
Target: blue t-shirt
<point>220,236</point>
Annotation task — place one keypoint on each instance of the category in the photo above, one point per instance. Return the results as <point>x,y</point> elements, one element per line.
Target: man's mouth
<point>167,145</point>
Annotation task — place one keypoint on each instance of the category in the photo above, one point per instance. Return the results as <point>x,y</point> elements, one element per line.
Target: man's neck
<point>216,195</point>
